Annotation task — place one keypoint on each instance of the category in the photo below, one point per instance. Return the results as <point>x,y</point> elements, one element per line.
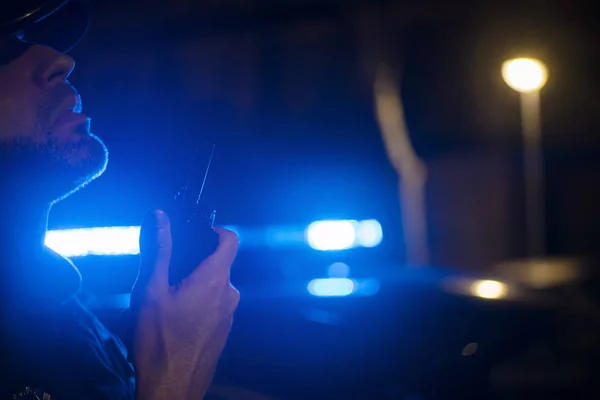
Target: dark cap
<point>59,24</point>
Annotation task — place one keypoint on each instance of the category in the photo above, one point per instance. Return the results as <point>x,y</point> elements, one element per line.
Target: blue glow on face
<point>331,287</point>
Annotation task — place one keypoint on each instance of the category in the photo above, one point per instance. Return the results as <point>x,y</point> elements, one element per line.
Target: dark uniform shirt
<point>52,347</point>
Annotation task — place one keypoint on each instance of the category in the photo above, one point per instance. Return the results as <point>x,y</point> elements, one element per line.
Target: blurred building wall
<point>471,208</point>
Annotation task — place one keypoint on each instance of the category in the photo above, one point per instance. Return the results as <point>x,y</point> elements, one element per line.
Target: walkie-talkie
<point>191,221</point>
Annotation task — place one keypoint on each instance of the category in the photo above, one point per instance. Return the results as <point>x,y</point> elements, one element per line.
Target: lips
<point>69,118</point>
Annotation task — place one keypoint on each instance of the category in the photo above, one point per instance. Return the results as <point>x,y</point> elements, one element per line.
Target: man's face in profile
<point>44,139</point>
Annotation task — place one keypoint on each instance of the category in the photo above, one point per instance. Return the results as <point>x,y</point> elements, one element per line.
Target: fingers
<point>155,251</point>
<point>227,248</point>
<point>218,264</point>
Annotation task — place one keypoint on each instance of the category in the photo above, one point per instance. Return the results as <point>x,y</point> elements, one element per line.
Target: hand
<point>180,331</point>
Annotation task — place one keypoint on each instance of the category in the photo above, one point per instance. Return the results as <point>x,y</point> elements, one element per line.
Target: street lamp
<point>528,76</point>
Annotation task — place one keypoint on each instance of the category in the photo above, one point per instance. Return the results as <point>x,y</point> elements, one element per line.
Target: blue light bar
<point>343,234</point>
<point>124,240</point>
<point>341,287</point>
<point>116,240</point>
<point>331,287</point>
<point>369,233</point>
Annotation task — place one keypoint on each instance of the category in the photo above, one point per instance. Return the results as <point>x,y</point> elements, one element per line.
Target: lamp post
<point>528,76</point>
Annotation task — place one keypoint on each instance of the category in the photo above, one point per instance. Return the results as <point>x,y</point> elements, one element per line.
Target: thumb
<point>219,263</point>
<point>155,250</point>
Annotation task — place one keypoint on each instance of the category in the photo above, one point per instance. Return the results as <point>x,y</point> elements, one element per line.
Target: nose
<point>55,68</point>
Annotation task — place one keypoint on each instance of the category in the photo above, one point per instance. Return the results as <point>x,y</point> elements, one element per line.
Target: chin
<point>82,163</point>
<point>97,159</point>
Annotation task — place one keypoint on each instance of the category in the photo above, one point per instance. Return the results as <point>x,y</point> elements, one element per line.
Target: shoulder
<point>111,367</point>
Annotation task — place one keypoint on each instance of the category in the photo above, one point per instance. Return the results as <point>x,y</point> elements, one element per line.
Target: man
<point>51,346</point>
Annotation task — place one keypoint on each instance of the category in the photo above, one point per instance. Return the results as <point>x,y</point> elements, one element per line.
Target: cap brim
<point>62,29</point>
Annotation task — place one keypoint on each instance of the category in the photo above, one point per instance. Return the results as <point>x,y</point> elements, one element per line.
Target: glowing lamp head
<point>525,75</point>
<point>487,289</point>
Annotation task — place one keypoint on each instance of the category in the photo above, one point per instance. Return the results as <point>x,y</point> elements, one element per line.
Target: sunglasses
<point>61,30</point>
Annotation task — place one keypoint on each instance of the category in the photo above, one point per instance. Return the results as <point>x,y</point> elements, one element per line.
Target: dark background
<point>289,86</point>
<point>285,90</point>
